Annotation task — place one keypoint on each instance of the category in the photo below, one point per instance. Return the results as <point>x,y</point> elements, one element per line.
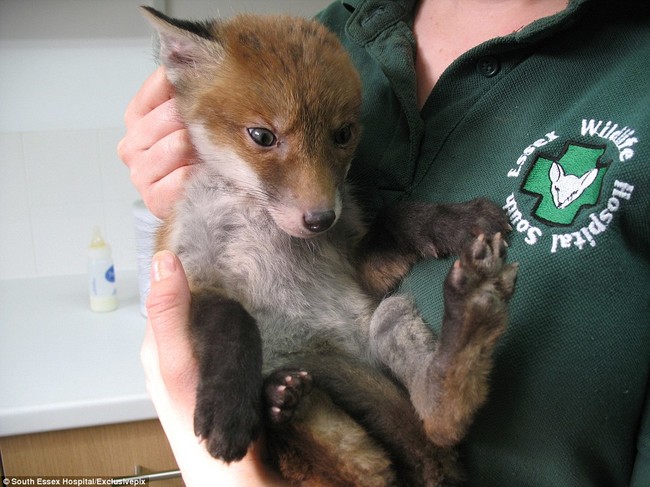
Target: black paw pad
<point>283,391</point>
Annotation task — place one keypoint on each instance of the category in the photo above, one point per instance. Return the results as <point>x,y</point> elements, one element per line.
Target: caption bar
<point>71,481</point>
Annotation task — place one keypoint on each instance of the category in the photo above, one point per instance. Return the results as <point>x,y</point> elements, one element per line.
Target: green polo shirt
<point>553,123</point>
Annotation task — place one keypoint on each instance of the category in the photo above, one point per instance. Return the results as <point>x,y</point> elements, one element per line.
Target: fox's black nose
<point>319,221</point>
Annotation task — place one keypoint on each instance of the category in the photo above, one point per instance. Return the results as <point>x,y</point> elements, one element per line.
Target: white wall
<point>67,71</point>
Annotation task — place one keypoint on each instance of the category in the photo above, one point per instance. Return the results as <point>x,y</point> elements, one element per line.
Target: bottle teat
<point>97,240</point>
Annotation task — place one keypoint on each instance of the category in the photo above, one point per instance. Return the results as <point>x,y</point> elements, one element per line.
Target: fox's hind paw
<point>477,291</point>
<point>482,269</point>
<point>283,390</point>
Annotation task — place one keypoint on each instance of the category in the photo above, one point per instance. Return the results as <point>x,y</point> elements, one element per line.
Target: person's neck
<point>445,29</point>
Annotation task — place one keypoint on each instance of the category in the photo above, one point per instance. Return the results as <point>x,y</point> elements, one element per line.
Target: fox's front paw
<point>283,390</point>
<point>460,224</point>
<point>484,217</point>
<point>225,424</point>
<point>442,230</point>
<point>477,290</point>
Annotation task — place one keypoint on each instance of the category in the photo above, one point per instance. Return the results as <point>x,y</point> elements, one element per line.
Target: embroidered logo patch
<point>561,202</point>
<point>567,183</point>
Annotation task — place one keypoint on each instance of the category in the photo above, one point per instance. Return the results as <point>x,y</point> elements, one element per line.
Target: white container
<point>101,274</point>
<point>146,230</point>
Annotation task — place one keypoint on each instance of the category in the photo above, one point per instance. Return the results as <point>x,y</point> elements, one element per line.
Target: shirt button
<point>488,66</point>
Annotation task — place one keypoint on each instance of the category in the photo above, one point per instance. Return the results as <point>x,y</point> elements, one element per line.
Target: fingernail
<point>163,265</point>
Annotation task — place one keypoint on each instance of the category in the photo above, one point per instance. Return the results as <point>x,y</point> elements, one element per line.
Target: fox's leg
<point>349,425</point>
<point>405,233</point>
<point>228,349</point>
<point>320,445</point>
<point>447,378</point>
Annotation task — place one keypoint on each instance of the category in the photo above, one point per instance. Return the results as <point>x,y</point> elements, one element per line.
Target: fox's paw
<point>283,390</point>
<point>482,264</point>
<point>452,227</point>
<point>490,219</point>
<point>481,219</point>
<point>477,290</point>
<point>226,427</point>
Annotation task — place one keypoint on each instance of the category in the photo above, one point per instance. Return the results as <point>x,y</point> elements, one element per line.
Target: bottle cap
<point>97,241</point>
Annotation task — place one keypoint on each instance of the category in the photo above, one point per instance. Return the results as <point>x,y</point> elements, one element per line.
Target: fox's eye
<point>343,135</point>
<point>262,136</point>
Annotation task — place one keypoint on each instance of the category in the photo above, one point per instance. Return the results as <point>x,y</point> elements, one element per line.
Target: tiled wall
<point>54,187</point>
<point>68,72</point>
<point>73,68</point>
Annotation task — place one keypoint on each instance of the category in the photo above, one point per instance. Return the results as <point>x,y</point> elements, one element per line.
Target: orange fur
<point>288,101</point>
<point>290,81</point>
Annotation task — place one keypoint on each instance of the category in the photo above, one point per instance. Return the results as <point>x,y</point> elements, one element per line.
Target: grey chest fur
<point>303,293</point>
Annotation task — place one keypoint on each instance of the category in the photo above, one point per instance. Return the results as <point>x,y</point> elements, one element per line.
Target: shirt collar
<point>369,18</point>
<point>355,4</point>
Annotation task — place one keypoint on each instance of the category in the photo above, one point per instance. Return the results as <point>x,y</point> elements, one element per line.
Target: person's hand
<point>156,147</point>
<point>172,376</point>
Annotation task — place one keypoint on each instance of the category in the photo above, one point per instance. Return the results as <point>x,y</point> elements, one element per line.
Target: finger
<point>165,156</point>
<point>161,172</point>
<point>154,91</point>
<point>155,125</point>
<point>161,195</point>
<point>162,125</point>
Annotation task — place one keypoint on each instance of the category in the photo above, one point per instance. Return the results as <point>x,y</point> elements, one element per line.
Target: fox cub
<point>294,330</point>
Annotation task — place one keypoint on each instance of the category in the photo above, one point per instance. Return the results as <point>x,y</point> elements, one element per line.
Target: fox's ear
<point>556,172</point>
<point>184,45</point>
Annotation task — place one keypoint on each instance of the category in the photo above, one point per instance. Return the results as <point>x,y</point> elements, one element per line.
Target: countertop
<point>63,366</point>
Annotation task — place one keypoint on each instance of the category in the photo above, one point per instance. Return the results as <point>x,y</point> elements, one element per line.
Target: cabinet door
<point>118,450</point>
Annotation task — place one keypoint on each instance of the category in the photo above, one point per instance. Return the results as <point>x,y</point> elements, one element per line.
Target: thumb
<point>168,303</point>
<point>168,314</point>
